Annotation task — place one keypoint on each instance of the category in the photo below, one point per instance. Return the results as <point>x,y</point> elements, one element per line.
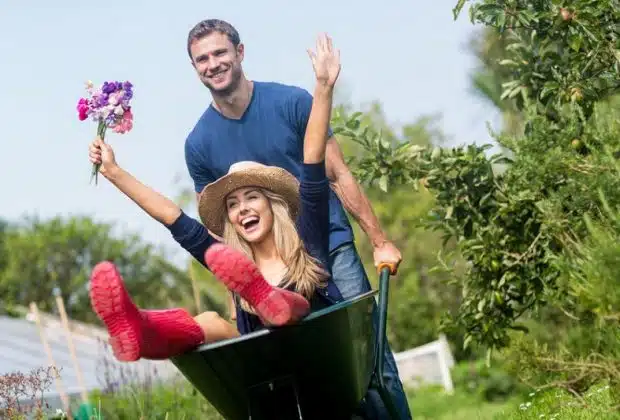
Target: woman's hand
<point>325,61</point>
<point>102,154</point>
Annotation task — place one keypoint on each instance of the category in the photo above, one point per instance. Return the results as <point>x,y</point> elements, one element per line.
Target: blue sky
<point>408,54</point>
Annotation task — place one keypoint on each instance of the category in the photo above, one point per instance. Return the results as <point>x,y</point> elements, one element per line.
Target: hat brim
<point>212,205</point>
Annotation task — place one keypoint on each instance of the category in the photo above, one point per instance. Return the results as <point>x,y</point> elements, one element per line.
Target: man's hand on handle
<point>387,253</point>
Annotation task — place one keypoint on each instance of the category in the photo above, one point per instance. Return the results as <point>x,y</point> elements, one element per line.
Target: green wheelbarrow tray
<point>319,368</point>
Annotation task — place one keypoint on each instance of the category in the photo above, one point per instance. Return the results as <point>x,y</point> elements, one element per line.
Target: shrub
<point>22,394</point>
<point>490,383</point>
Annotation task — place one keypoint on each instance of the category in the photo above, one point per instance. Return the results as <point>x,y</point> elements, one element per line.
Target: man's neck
<point>235,104</point>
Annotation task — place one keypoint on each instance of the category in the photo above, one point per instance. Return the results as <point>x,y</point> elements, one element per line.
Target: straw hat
<point>212,204</point>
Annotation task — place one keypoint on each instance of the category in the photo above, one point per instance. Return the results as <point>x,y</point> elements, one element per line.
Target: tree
<point>487,79</point>
<point>61,252</point>
<point>419,295</point>
<point>556,54</point>
<point>512,227</point>
<point>4,226</point>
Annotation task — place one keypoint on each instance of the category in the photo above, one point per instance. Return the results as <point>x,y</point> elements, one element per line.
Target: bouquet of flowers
<point>108,105</point>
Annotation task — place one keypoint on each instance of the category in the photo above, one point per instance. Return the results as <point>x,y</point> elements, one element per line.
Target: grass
<point>433,403</point>
<point>596,404</point>
<point>178,400</point>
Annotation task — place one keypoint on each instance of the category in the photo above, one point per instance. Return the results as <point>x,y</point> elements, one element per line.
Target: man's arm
<point>357,204</point>
<point>351,194</point>
<point>343,182</point>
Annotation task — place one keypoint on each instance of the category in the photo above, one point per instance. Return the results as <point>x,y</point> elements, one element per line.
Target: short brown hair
<point>207,27</point>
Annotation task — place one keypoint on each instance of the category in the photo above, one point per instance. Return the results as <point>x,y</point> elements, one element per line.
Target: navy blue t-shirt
<point>271,131</point>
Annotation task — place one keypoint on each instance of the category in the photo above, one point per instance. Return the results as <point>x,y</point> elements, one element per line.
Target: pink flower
<point>125,124</point>
<point>82,108</point>
<point>108,106</point>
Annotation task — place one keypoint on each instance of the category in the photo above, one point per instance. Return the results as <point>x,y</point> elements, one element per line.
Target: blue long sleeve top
<point>312,225</point>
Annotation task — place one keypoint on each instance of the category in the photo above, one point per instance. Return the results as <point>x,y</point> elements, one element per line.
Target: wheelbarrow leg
<point>377,380</point>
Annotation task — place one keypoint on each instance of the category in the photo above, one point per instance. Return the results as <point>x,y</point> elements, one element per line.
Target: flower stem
<point>101,133</point>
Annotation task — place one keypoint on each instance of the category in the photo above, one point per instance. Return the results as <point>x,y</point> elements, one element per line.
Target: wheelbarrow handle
<point>384,289</point>
<point>385,270</point>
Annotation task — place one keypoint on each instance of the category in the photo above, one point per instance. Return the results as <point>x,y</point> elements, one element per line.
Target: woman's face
<point>250,213</point>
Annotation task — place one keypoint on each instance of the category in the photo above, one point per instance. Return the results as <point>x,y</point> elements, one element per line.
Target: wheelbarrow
<point>320,368</point>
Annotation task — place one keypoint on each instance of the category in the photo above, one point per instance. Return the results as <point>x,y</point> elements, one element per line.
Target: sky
<point>409,55</point>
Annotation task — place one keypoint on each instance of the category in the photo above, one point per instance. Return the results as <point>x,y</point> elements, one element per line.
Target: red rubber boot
<point>275,306</point>
<point>135,333</point>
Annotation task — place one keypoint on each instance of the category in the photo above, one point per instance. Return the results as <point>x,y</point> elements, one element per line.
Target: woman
<point>277,271</point>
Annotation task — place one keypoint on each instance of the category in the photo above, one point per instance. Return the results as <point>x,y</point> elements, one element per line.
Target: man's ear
<point>241,51</point>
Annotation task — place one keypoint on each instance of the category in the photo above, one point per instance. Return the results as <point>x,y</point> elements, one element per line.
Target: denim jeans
<point>350,277</point>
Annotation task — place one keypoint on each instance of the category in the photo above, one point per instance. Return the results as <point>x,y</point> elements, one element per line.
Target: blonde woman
<point>275,242</point>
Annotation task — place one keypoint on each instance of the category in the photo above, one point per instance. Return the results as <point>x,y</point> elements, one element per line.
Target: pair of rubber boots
<point>160,334</point>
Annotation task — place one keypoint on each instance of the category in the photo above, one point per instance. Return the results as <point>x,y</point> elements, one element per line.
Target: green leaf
<point>515,92</point>
<point>488,357</point>
<point>467,341</point>
<point>481,304</point>
<point>356,115</point>
<point>575,41</point>
<point>383,183</point>
<point>457,9</point>
<point>508,62</point>
<point>449,211</point>
<point>352,124</point>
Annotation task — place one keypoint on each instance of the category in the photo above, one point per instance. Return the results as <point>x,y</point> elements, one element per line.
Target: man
<point>266,122</point>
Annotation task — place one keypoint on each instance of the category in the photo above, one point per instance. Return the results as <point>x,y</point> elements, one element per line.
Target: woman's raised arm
<point>326,64</point>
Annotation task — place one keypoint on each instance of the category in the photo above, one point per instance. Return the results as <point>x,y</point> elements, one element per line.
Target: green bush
<point>583,348</point>
<point>489,383</point>
<point>530,222</point>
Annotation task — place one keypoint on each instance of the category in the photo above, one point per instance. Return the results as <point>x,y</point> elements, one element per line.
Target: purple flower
<point>108,87</point>
<point>102,100</point>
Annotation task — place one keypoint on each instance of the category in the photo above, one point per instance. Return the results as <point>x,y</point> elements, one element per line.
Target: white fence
<point>427,364</point>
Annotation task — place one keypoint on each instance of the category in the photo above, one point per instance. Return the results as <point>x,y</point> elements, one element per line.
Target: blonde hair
<point>302,270</point>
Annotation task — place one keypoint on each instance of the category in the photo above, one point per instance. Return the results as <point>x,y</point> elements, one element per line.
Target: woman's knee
<point>208,317</point>
<point>214,327</point>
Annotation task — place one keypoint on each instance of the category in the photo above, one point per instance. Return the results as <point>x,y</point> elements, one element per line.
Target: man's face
<point>217,62</point>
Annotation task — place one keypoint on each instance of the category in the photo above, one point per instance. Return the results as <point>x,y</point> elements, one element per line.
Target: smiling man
<point>266,122</point>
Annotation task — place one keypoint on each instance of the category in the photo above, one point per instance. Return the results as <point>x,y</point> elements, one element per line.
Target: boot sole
<point>278,307</point>
<point>114,307</point>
